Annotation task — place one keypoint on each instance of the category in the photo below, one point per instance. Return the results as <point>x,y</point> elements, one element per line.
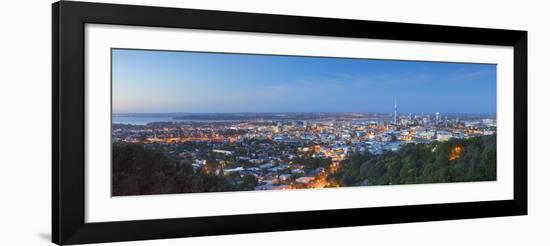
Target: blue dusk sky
<point>190,82</point>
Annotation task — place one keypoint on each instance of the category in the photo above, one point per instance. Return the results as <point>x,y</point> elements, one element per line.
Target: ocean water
<point>134,120</point>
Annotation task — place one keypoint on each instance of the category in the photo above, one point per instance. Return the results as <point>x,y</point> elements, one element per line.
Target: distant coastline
<point>145,118</point>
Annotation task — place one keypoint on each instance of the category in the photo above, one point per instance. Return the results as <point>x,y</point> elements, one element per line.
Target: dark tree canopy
<point>138,170</point>
<point>457,160</point>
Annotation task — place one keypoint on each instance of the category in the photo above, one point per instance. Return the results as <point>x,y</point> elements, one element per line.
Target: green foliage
<point>424,163</point>
<point>311,163</point>
<point>248,183</point>
<point>139,170</point>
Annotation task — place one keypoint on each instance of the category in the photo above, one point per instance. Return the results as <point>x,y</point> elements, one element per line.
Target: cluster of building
<point>273,151</point>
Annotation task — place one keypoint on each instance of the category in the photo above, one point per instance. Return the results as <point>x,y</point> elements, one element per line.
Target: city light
<point>286,151</point>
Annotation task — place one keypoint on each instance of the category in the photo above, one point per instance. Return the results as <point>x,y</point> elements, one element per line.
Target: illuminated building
<point>437,117</point>
<point>395,110</point>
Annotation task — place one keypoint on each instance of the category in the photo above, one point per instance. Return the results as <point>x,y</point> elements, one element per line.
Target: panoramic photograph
<point>193,122</point>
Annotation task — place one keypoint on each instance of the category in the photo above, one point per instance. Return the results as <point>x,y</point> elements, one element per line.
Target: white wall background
<point>25,98</point>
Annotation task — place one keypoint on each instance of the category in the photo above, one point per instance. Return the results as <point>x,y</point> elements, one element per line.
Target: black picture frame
<point>68,107</point>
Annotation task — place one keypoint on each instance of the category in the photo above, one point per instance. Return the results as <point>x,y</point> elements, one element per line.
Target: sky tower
<point>395,110</point>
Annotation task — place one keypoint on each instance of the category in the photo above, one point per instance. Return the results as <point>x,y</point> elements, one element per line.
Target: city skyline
<point>146,81</point>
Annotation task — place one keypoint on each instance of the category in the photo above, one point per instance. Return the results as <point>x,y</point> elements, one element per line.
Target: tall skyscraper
<point>395,110</point>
